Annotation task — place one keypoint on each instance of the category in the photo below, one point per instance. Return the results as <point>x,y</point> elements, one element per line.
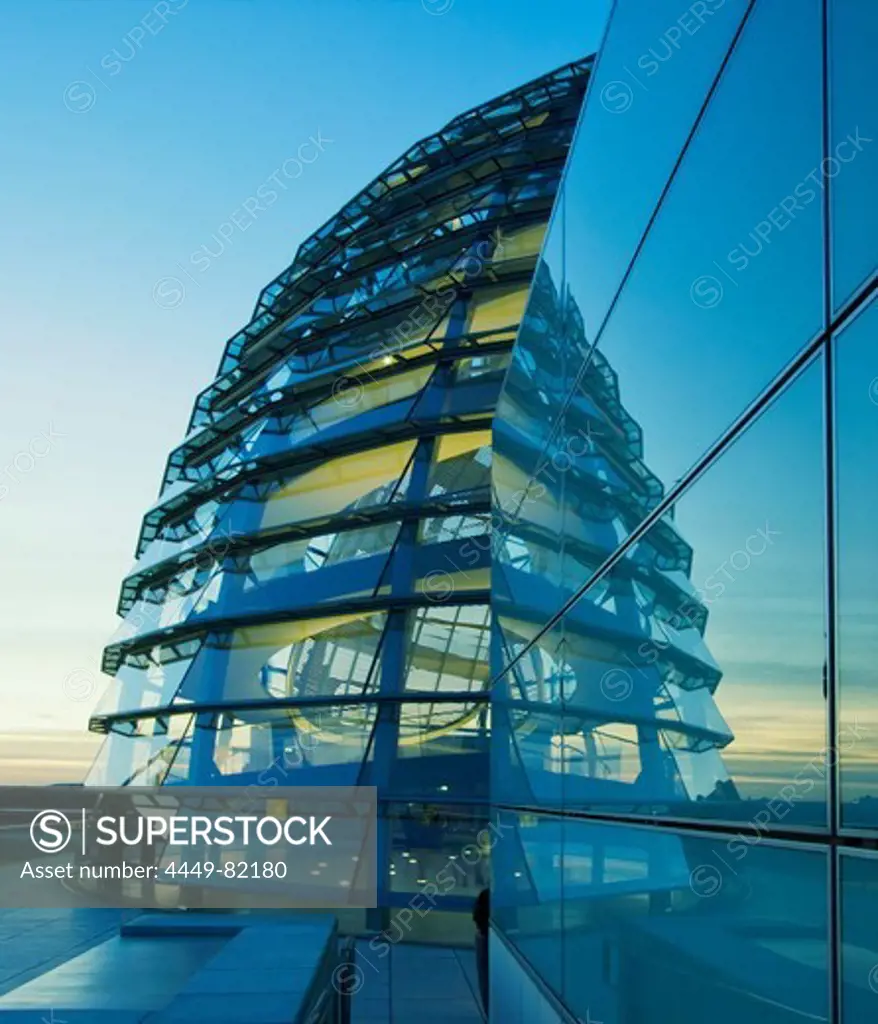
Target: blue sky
<point>130,132</point>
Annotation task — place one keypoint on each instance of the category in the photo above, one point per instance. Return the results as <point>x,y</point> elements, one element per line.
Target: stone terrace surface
<point>265,975</point>
<point>115,967</point>
<point>416,985</point>
<point>163,968</point>
<point>34,941</point>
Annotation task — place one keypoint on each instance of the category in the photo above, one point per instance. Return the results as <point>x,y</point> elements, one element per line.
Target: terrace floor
<point>73,967</point>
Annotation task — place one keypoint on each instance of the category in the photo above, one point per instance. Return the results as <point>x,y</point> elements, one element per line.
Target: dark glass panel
<point>648,925</point>
<point>859,943</point>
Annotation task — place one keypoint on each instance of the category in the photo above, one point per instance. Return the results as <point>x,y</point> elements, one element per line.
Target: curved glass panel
<point>328,657</point>
<point>347,483</point>
<point>312,591</point>
<point>293,746</point>
<point>144,753</point>
<point>447,649</point>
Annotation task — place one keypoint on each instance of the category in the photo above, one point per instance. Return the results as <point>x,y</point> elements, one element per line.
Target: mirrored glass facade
<point>311,598</point>
<point>685,656</point>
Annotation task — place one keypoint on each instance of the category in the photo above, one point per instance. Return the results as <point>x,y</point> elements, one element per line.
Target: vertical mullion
<point>833,894</point>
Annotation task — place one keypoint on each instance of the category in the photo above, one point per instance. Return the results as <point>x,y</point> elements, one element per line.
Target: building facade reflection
<point>685,611</point>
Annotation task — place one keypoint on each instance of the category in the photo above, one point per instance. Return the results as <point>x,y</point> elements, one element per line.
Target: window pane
<point>654,72</point>
<point>660,926</point>
<point>148,680</point>
<point>642,924</point>
<point>442,847</point>
<point>856,370</point>
<point>854,153</point>
<point>448,649</point>
<point>461,464</point>
<point>347,483</point>
<point>350,402</point>
<point>699,327</point>
<point>497,307</point>
<point>519,244</point>
<point>704,645</point>
<point>527,891</point>
<point>141,753</point>
<point>294,746</point>
<point>338,567</point>
<point>442,752</point>
<point>311,554</point>
<point>435,530</point>
<point>529,726</point>
<point>317,657</point>
<point>609,435</point>
<point>536,382</point>
<point>859,944</point>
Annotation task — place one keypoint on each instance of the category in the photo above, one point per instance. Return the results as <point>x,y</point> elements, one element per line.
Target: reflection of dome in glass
<point>613,700</point>
<point>310,601</point>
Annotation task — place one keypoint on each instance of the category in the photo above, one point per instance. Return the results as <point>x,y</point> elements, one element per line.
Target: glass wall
<point>683,589</point>
<point>647,925</point>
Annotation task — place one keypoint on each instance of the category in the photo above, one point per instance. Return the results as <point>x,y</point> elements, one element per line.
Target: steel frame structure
<point>297,612</point>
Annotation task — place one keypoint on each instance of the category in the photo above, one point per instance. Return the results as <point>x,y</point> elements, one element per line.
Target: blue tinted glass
<point>643,926</point>
<point>527,752</point>
<point>853,161</point>
<point>679,359</point>
<point>532,574</point>
<point>859,942</point>
<point>527,504</point>
<point>527,891</point>
<point>528,406</point>
<point>434,847</point>
<point>856,374</point>
<point>693,670</point>
<point>654,72</point>
<point>662,926</point>
<point>308,746</point>
<point>729,284</point>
